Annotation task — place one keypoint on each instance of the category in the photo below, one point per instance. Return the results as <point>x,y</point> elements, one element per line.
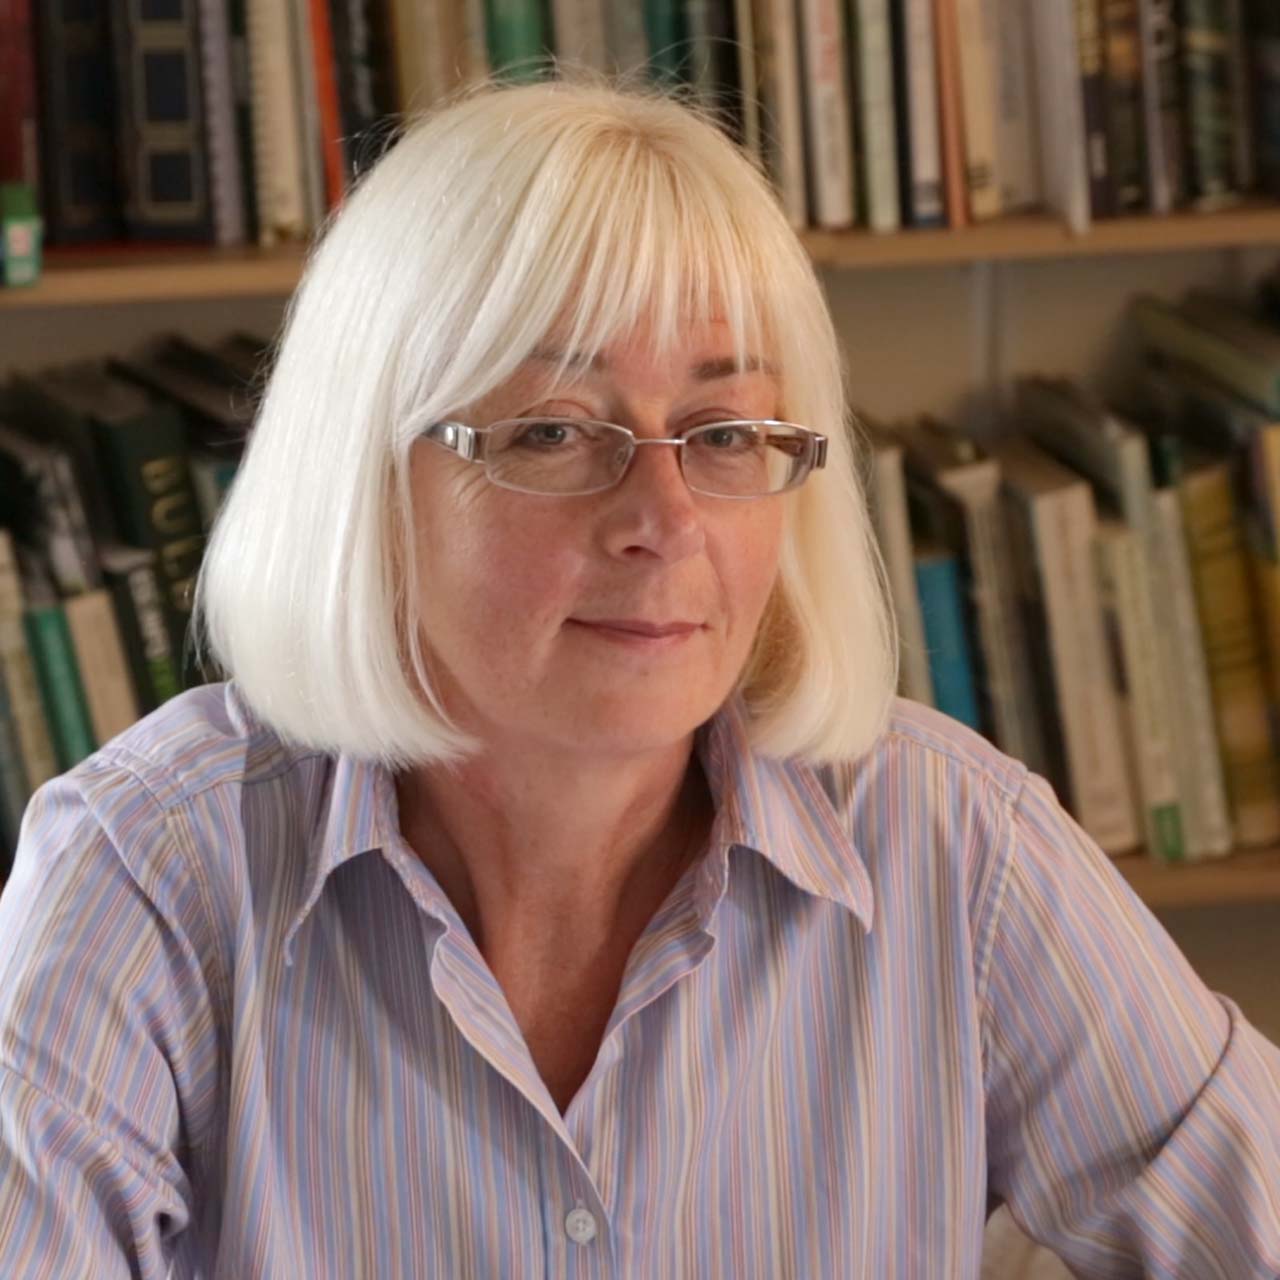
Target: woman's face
<point>516,586</point>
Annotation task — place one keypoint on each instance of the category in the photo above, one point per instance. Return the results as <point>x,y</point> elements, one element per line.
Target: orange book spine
<point>327,93</point>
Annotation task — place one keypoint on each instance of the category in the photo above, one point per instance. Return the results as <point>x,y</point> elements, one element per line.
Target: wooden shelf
<point>1249,876</point>
<point>139,273</point>
<point>77,278</point>
<point>1038,236</point>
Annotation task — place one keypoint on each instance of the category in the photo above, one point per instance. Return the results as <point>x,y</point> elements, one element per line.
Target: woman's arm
<point>1133,1115</point>
<point>107,1044</point>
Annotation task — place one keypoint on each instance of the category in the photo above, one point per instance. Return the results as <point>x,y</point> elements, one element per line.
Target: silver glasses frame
<point>468,443</point>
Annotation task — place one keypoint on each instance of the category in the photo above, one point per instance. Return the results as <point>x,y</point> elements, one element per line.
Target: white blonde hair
<point>576,203</point>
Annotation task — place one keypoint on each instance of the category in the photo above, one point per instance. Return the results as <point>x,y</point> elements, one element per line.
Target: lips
<point>640,627</point>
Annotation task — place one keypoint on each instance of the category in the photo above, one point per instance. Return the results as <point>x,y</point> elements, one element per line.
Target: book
<point>131,576</point>
<point>275,115</point>
<point>1017,129</point>
<point>1052,521</point>
<point>777,59</point>
<point>1092,72</point>
<point>1126,610</point>
<point>18,673</point>
<point>1162,104</point>
<point>1113,454</point>
<point>1063,140</point>
<point>104,672</point>
<point>1126,131</point>
<point>225,175</point>
<point>1264,43</point>
<point>938,581</point>
<point>580,31</point>
<point>1208,95</point>
<point>915,79</point>
<point>887,500</point>
<point>979,59</point>
<point>19,139</point>
<point>829,118</point>
<point>946,39</point>
<point>160,122</point>
<point>876,114</point>
<point>58,677</point>
<point>949,471</point>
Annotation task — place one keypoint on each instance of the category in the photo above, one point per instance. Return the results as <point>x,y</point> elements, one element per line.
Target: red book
<point>18,155</point>
<point>327,94</point>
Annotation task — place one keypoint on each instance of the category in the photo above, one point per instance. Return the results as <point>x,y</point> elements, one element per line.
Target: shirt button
<point>580,1226</point>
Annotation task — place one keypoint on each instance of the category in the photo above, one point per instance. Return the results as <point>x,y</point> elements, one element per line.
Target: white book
<point>887,499</point>
<point>1017,124</point>
<point>830,121</point>
<point>1064,171</point>
<point>1054,524</point>
<point>782,120</point>
<point>923,107</point>
<point>1113,454</point>
<point>104,669</point>
<point>877,115</point>
<point>276,111</point>
<point>1126,606</point>
<point>580,33</point>
<point>225,185</point>
<point>979,60</point>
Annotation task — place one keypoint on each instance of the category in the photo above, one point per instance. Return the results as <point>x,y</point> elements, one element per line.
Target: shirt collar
<point>786,811</point>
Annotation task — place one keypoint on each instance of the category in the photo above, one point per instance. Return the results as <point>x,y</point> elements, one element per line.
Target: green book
<point>58,676</point>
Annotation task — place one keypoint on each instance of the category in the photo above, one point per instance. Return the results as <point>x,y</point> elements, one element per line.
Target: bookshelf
<point>1250,876</point>
<point>138,274</point>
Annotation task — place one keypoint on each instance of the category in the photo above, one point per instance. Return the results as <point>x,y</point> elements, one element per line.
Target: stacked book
<point>1096,587</point>
<point>111,473</point>
<point>246,121</point>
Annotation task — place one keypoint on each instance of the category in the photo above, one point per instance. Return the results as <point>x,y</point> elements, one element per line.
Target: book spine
<point>888,503</point>
<point>19,136</point>
<point>950,657</point>
<point>80,195</point>
<point>1101,788</point>
<point>1060,104</point>
<point>877,115</point>
<point>1093,94</point>
<point>916,105</point>
<point>580,37</point>
<point>1264,38</point>
<point>14,790</point>
<point>1001,631</point>
<point>946,39</point>
<point>517,35</point>
<point>1162,105</point>
<point>1243,166</point>
<point>326,87</point>
<point>1017,142</point>
<point>830,121</point>
<point>160,124</point>
<point>1207,96</point>
<point>1163,329</point>
<point>1123,593</point>
<point>1126,154</point>
<point>241,98</point>
<point>144,635</point>
<point>274,109</point>
<point>979,58</point>
<point>64,702</point>
<point>1204,793</point>
<point>1234,653</point>
<point>749,72</point>
<point>100,659</point>
<point>664,29</point>
<point>629,47</point>
<point>225,178</point>
<point>782,138</point>
<point>19,674</point>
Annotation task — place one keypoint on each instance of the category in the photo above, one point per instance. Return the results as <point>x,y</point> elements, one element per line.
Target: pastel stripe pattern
<point>244,1034</point>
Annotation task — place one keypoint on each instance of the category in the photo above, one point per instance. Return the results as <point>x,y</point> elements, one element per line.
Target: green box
<point>21,229</point>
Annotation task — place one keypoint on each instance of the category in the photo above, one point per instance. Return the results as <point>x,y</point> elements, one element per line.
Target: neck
<point>533,850</point>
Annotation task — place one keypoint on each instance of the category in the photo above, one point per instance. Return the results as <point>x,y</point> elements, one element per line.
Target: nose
<point>652,512</point>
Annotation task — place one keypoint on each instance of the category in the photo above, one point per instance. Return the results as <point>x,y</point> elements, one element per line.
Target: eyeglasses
<point>742,458</point>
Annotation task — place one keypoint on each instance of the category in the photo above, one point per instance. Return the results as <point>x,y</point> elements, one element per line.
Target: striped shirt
<point>243,1033</point>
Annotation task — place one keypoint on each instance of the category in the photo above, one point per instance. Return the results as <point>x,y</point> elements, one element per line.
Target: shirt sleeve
<point>1133,1115</point>
<point>106,1040</point>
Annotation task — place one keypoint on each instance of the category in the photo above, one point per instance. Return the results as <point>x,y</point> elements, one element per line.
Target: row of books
<point>241,121</point>
<point>111,473</point>
<point>1096,586</point>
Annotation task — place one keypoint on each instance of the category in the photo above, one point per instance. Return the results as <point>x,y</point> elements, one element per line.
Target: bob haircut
<point>578,203</point>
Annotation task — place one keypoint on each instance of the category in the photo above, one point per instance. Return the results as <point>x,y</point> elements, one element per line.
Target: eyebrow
<point>703,371</point>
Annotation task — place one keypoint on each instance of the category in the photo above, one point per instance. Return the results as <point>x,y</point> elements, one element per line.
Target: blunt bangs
<point>568,212</point>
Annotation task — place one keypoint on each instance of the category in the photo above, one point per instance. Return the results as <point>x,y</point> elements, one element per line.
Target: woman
<point>557,889</point>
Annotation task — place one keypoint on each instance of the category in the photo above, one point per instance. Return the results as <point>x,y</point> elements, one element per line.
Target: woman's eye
<point>726,438</point>
<point>547,434</point>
